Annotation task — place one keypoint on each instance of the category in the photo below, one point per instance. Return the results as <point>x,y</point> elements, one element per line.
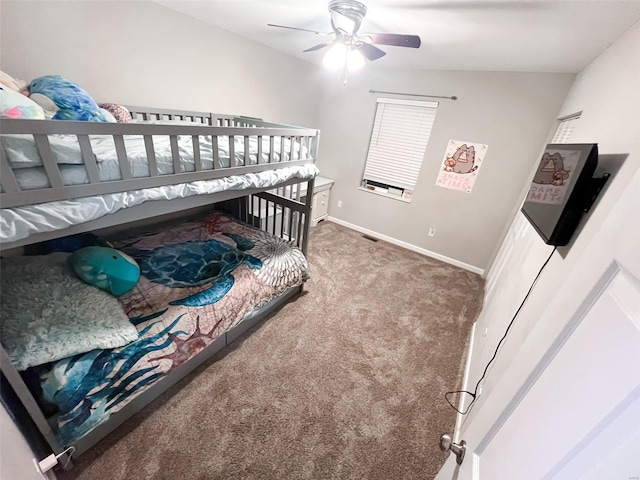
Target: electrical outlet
<point>339,203</point>
<point>432,232</point>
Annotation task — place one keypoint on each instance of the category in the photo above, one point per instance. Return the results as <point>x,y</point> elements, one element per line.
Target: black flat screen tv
<point>561,190</point>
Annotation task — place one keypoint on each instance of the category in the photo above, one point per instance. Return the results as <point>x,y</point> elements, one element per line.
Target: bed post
<point>22,392</point>
<point>315,143</point>
<point>307,216</point>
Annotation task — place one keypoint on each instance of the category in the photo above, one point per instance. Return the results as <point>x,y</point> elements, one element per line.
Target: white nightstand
<point>320,204</point>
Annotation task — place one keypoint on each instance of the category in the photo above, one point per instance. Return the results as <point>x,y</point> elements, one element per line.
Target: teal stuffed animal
<point>106,268</point>
<point>73,102</point>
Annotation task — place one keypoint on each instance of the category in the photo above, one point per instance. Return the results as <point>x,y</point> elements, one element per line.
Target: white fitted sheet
<point>30,174</point>
<point>19,222</point>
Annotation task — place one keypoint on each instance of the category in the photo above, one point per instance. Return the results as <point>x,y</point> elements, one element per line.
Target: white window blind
<point>565,129</point>
<point>399,138</point>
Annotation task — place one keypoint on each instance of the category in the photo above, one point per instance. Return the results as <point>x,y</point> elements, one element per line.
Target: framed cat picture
<point>461,164</point>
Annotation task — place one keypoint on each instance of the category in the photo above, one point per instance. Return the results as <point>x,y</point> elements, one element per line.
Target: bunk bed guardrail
<point>287,146</point>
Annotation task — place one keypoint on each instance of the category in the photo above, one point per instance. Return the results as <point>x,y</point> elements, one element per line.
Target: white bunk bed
<point>62,178</point>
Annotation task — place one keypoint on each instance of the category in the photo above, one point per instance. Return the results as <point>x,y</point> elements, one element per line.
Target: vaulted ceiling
<point>489,35</point>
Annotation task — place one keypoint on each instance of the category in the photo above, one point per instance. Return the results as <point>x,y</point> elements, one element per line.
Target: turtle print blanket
<point>198,280</point>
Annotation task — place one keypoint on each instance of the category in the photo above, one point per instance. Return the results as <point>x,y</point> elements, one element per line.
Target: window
<point>399,138</point>
<point>565,129</point>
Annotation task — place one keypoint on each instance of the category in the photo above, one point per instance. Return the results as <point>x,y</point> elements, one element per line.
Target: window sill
<point>394,197</point>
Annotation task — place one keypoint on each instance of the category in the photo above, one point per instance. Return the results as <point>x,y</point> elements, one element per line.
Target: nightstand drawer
<point>320,204</point>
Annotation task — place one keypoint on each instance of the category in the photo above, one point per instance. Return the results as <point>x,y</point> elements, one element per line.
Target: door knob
<point>458,449</point>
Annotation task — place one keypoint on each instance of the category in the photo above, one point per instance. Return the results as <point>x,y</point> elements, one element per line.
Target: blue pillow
<point>106,268</point>
<point>74,102</point>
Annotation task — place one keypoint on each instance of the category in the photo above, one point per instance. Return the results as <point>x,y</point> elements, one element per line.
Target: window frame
<point>424,125</point>
<point>565,128</point>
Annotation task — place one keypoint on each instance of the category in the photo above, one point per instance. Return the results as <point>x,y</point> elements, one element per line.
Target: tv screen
<point>559,190</point>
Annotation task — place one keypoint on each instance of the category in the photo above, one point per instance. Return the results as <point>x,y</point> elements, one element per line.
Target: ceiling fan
<point>348,48</point>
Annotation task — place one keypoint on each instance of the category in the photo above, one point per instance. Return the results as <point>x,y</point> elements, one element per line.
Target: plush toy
<point>15,84</point>
<point>106,268</point>
<point>120,113</point>
<point>73,102</point>
<point>72,243</point>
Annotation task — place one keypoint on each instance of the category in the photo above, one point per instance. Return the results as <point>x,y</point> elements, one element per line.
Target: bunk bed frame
<point>278,209</point>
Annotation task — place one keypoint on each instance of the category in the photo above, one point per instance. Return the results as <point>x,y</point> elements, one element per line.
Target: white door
<point>568,404</point>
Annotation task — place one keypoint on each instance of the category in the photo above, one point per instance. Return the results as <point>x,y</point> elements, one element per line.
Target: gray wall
<point>141,53</point>
<point>145,54</point>
<point>609,105</point>
<point>511,112</point>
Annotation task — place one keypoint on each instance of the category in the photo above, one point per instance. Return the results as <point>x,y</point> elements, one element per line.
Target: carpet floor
<point>347,381</point>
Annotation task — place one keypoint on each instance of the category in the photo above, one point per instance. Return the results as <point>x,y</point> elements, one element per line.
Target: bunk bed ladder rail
<point>280,212</point>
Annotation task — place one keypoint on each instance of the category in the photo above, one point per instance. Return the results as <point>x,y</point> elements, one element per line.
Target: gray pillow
<point>48,313</point>
<point>49,107</point>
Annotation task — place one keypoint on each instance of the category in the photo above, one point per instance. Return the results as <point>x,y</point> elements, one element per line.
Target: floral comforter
<point>197,281</point>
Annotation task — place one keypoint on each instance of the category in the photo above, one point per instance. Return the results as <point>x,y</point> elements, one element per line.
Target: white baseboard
<point>408,246</point>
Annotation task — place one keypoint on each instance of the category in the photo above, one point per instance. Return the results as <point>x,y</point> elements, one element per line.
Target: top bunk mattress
<point>58,175</point>
<point>23,156</point>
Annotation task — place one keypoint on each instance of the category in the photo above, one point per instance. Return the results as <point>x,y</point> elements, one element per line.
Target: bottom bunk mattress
<point>198,280</point>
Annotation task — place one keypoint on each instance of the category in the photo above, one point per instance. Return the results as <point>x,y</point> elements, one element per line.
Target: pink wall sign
<point>461,164</point>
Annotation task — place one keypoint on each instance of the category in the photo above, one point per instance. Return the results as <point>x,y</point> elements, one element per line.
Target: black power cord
<point>474,395</point>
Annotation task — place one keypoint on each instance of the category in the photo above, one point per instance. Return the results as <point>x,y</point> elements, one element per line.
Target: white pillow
<point>16,105</point>
<point>21,149</point>
<point>48,313</point>
<point>109,116</point>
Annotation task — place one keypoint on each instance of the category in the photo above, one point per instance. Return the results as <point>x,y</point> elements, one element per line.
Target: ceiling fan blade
<point>317,47</point>
<point>296,28</point>
<point>394,39</point>
<point>371,52</point>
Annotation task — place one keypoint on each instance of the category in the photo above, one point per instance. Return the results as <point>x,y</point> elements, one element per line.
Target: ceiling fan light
<point>335,57</point>
<point>355,60</point>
